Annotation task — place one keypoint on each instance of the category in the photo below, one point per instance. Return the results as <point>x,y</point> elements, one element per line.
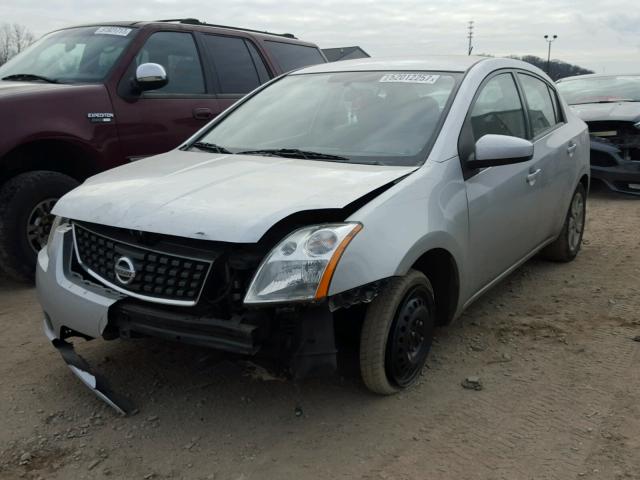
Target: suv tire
<point>26,201</point>
<point>397,333</point>
<point>567,245</point>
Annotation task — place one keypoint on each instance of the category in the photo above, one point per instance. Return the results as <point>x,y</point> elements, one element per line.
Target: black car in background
<point>610,105</point>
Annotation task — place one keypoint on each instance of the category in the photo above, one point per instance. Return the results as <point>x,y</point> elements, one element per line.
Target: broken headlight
<point>301,266</point>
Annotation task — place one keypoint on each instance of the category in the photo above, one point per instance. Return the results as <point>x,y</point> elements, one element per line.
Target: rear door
<point>553,167</point>
<point>502,203</point>
<point>237,67</point>
<point>157,121</point>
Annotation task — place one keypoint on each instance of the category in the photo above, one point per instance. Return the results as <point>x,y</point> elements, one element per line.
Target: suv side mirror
<point>494,150</point>
<point>150,76</point>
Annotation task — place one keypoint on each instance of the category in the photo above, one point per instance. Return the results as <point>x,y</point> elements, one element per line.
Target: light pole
<point>549,41</point>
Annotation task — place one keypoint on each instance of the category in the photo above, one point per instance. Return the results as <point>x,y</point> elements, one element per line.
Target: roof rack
<point>195,21</point>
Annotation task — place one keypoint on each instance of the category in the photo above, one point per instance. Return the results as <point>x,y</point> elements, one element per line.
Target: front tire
<point>397,334</point>
<point>567,245</point>
<point>25,219</point>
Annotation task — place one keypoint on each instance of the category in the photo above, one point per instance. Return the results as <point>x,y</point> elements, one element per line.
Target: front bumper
<point>617,173</point>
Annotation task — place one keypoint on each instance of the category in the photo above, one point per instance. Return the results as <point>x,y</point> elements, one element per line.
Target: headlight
<point>301,266</point>
<point>58,221</point>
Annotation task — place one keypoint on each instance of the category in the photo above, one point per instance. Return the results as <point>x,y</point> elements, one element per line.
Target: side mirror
<point>495,150</point>
<point>150,76</point>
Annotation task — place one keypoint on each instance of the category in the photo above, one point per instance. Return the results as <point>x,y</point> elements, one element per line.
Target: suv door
<point>237,66</point>
<point>502,203</point>
<point>156,121</point>
<point>554,148</point>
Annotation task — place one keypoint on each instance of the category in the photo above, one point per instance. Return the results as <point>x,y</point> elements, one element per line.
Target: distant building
<point>344,53</point>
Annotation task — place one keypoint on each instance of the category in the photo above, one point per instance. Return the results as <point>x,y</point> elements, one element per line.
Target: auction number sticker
<point>409,78</point>
<point>120,31</point>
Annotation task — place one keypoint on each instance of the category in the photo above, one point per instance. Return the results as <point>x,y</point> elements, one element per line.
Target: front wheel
<point>397,334</point>
<point>567,245</point>
<point>26,202</point>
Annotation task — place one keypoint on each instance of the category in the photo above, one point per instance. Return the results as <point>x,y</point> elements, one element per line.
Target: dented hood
<point>620,111</point>
<point>234,198</point>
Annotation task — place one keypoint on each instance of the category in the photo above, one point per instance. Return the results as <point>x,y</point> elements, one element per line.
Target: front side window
<point>74,55</point>
<point>235,66</point>
<point>386,118</point>
<point>542,115</point>
<point>177,53</point>
<point>498,110</point>
<point>291,56</point>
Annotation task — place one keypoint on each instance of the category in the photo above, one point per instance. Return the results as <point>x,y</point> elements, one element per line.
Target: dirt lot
<point>553,346</point>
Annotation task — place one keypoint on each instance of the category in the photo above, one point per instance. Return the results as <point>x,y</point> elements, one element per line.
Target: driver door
<point>502,201</point>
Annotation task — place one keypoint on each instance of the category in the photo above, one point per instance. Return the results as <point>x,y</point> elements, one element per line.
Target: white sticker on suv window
<point>409,78</point>
<point>120,31</point>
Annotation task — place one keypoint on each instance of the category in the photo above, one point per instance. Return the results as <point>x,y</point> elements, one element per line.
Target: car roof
<point>439,63</point>
<point>599,75</point>
<point>192,24</point>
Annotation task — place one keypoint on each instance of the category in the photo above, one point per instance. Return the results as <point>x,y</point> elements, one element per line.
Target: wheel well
<point>585,182</point>
<point>440,268</point>
<point>52,155</point>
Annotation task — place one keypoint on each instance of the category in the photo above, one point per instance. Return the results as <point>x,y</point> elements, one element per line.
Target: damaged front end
<point>615,154</point>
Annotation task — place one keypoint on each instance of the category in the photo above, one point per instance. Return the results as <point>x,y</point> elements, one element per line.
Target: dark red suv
<point>88,98</point>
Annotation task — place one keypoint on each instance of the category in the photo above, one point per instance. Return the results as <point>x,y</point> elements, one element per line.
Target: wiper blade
<point>607,101</point>
<point>210,147</point>
<point>296,153</point>
<point>29,77</point>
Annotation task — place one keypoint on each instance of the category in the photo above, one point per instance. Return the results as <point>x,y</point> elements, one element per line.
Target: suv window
<point>291,56</point>
<point>178,54</point>
<point>498,109</point>
<point>237,69</point>
<point>541,112</point>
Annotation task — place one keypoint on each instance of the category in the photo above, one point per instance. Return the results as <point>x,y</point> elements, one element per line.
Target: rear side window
<point>238,68</point>
<point>178,54</point>
<point>290,56</point>
<point>542,114</point>
<point>498,110</point>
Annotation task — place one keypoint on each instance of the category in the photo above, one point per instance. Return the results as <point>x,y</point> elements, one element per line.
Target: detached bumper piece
<point>617,172</point>
<point>97,384</point>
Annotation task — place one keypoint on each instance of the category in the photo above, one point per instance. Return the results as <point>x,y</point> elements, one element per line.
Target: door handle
<point>571,148</point>
<point>533,176</point>
<point>202,113</point>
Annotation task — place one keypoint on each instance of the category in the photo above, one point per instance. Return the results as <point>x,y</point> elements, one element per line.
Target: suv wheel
<point>26,202</point>
<point>397,334</point>
<point>567,245</point>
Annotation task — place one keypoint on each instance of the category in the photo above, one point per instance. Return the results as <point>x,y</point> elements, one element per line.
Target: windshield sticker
<point>409,78</point>
<point>120,31</point>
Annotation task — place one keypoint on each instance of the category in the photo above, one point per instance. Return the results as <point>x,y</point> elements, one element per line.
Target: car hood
<point>621,111</point>
<point>10,88</point>
<point>233,198</point>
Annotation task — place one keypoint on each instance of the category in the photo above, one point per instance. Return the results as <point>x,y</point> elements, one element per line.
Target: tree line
<point>557,68</point>
<point>13,39</point>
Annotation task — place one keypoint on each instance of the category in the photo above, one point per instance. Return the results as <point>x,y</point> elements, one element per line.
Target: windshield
<point>619,88</point>
<point>387,118</point>
<point>76,55</point>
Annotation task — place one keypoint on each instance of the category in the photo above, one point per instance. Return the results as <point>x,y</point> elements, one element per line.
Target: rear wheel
<point>397,334</point>
<point>26,202</point>
<point>567,245</point>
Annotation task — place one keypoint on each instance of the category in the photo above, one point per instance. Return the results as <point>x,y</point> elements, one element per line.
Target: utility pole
<point>549,40</point>
<point>470,37</point>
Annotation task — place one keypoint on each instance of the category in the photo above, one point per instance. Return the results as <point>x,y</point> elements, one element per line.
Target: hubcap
<point>410,338</point>
<point>39,224</point>
<point>576,221</point>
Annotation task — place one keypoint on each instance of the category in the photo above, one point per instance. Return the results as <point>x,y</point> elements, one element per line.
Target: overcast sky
<point>601,35</point>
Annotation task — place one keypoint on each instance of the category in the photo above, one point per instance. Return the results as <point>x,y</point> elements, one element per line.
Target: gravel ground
<point>556,393</point>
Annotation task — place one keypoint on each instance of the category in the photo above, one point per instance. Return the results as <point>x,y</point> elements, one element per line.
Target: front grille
<point>159,276</point>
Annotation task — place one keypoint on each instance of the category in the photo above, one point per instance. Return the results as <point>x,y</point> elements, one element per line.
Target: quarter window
<point>541,112</point>
<point>237,67</point>
<point>178,54</point>
<point>290,56</point>
<point>498,109</point>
